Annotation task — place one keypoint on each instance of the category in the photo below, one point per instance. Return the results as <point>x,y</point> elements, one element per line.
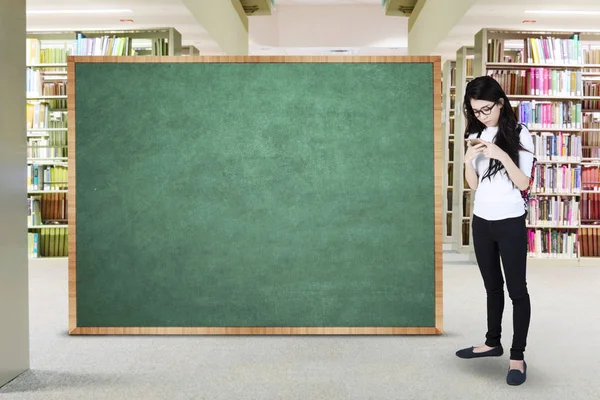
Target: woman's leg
<point>512,240</point>
<point>488,259</point>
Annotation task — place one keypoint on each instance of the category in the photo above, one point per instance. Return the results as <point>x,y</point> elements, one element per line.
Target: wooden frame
<point>435,62</point>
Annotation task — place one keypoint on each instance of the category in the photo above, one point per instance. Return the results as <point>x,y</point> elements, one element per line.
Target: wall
<point>14,314</point>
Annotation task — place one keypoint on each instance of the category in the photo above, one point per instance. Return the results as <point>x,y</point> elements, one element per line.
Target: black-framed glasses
<point>487,110</point>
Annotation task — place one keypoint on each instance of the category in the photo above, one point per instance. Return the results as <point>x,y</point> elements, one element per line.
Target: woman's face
<point>487,112</point>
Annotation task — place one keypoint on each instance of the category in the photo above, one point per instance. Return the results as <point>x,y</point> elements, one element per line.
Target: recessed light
<point>78,11</point>
<point>562,12</point>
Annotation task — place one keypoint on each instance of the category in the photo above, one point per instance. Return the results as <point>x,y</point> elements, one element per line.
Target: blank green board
<point>255,194</point>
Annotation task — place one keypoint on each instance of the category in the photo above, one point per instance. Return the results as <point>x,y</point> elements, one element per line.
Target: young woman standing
<point>499,168</point>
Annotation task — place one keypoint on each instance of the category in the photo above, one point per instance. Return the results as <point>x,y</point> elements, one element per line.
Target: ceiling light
<point>78,11</point>
<point>562,12</point>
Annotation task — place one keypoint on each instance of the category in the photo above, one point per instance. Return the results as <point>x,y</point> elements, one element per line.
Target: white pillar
<point>14,304</point>
<point>432,21</point>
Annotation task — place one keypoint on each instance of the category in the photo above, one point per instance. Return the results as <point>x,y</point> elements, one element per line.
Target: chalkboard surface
<point>254,194</point>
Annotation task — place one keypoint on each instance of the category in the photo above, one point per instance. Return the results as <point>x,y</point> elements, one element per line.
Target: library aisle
<point>562,337</point>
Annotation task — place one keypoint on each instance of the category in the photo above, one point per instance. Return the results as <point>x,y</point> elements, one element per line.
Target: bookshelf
<point>462,198</point>
<point>46,127</point>
<point>552,80</point>
<point>448,110</point>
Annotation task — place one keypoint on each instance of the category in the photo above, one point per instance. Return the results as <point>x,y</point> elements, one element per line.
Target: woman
<point>499,168</point>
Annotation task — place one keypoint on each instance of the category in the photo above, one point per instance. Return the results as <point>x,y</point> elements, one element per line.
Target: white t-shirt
<point>498,198</point>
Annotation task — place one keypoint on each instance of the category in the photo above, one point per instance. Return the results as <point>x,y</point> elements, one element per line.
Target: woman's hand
<point>490,150</point>
<point>472,151</point>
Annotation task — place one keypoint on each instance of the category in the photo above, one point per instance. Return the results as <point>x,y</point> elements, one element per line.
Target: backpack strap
<point>526,194</point>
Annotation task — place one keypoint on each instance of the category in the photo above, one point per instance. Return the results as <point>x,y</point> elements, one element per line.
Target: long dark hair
<point>508,137</point>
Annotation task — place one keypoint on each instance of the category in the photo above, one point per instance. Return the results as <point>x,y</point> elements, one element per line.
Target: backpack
<point>526,194</point>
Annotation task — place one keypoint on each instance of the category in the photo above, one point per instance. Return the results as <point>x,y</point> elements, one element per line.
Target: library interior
<point>268,198</point>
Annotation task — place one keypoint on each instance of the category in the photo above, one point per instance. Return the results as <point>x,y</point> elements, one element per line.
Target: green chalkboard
<point>254,194</point>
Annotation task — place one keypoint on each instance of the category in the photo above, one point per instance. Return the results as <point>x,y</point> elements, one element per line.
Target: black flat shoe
<point>468,353</point>
<point>516,377</point>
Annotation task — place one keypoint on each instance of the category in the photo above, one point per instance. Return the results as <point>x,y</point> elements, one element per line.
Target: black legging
<point>505,238</point>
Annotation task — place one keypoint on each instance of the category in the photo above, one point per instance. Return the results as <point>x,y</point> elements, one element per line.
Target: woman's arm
<point>515,173</point>
<point>471,175</point>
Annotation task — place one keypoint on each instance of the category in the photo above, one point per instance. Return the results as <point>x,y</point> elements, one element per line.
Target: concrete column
<point>225,21</point>
<point>432,21</point>
<point>14,304</point>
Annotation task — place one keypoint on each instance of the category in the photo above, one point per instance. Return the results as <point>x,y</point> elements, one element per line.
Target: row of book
<point>589,242</point>
<point>590,208</point>
<point>47,209</point>
<point>565,179</point>
<point>45,83</point>
<point>590,145</point>
<point>55,89</point>
<point>117,46</point>
<point>41,116</point>
<point>591,138</point>
<point>557,146</point>
<point>585,54</point>
<point>592,152</point>
<point>552,243</point>
<point>556,179</point>
<point>549,115</point>
<point>590,176</point>
<point>552,50</point>
<point>564,243</point>
<point>35,54</point>
<point>450,174</point>
<point>466,231</point>
<point>564,210</point>
<point>591,56</point>
<point>591,89</point>
<point>51,146</point>
<point>47,177</point>
<point>48,242</point>
<point>553,211</point>
<point>540,82</point>
<point>541,50</point>
<point>591,120</point>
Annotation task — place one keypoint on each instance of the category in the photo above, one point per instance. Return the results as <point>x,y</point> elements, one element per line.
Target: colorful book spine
<point>549,115</point>
<point>553,243</point>
<point>553,211</point>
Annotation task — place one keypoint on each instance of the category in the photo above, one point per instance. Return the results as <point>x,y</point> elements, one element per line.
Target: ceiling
<point>153,13</point>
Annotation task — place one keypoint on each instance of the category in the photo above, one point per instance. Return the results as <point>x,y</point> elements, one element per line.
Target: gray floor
<point>563,353</point>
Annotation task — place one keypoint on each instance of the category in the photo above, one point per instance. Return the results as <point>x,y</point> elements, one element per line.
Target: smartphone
<point>474,141</point>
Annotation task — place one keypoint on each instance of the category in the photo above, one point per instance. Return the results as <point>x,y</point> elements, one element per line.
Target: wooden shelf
<point>47,226</point>
<point>46,97</point>
<point>556,194</point>
<point>500,65</point>
<point>48,65</point>
<point>552,226</point>
<point>557,162</point>
<point>543,98</point>
<point>573,130</point>
<point>46,191</point>
<point>48,130</point>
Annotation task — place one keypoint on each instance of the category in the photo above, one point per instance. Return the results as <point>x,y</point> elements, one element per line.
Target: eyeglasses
<point>484,110</point>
